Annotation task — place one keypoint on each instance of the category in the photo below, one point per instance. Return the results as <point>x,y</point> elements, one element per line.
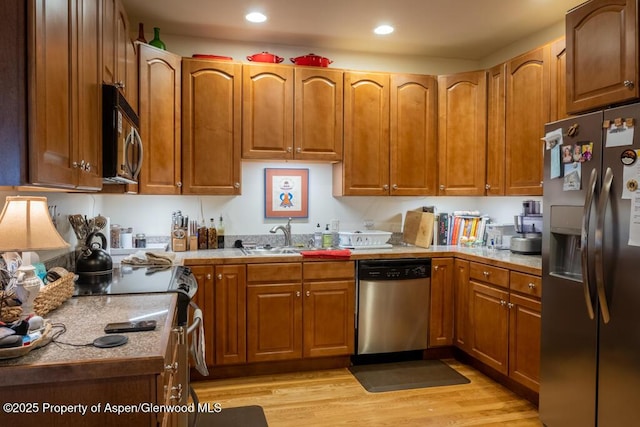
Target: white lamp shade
<point>25,225</point>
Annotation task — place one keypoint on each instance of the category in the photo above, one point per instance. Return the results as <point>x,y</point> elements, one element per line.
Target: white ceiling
<point>464,29</point>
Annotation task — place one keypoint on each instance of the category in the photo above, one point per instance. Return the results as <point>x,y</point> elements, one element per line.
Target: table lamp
<point>25,225</point>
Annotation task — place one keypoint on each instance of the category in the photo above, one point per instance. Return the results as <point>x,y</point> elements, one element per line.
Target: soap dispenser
<point>327,237</point>
<point>317,237</point>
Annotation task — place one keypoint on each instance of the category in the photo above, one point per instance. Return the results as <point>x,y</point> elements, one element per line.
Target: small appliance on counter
<point>528,225</point>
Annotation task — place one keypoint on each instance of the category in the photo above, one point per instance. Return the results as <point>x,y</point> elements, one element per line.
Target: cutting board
<point>418,228</point>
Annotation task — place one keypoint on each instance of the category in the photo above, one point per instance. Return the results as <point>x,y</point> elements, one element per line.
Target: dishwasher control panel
<point>394,269</point>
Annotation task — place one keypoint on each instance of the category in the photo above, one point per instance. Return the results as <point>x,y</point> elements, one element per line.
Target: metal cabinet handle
<point>510,305</point>
<point>628,84</point>
<point>486,273</point>
<point>435,267</point>
<point>487,186</point>
<point>75,165</point>
<point>119,85</point>
<point>532,285</point>
<point>220,276</point>
<point>289,149</point>
<point>298,150</point>
<point>297,293</point>
<point>441,187</point>
<point>503,302</point>
<point>394,186</point>
<point>602,208</point>
<point>236,185</point>
<point>385,187</point>
<point>179,184</point>
<point>208,276</point>
<point>308,294</point>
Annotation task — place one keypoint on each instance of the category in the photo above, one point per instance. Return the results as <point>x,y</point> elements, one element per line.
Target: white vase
<point>27,288</point>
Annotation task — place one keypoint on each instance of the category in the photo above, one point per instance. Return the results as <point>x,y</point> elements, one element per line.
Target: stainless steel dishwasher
<point>392,309</point>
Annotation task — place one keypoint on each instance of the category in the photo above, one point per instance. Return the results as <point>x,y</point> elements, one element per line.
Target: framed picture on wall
<point>286,193</point>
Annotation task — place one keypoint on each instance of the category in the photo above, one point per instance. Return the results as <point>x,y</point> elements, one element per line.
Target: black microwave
<point>121,142</point>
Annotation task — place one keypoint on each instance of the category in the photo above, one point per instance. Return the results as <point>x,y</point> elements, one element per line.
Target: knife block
<point>179,244</point>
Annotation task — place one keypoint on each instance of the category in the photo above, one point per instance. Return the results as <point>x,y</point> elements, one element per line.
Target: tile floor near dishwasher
<point>335,398</point>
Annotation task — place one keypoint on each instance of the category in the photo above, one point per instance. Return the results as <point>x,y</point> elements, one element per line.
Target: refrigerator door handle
<point>602,208</point>
<point>584,239</point>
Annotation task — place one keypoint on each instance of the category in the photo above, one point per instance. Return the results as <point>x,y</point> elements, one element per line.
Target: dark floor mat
<point>406,375</point>
<point>243,416</point>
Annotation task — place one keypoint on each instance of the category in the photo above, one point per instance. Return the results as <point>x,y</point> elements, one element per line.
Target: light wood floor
<point>335,398</point>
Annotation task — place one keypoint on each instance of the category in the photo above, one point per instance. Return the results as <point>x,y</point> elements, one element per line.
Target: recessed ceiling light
<point>383,29</point>
<point>256,17</point>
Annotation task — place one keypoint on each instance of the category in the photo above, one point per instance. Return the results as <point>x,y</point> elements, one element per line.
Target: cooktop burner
<point>126,279</point>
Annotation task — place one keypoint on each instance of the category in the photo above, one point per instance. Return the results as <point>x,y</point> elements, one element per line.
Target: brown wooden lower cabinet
<point>230,314</point>
<point>504,322</point>
<point>310,316</point>
<point>441,309</point>
<point>461,304</point>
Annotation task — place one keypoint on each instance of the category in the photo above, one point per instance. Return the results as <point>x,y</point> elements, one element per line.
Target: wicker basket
<point>50,297</point>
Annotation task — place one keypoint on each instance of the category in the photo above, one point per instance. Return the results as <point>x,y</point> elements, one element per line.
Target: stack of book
<point>461,228</point>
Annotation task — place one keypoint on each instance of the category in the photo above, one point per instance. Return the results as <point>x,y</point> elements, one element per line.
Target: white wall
<point>244,214</point>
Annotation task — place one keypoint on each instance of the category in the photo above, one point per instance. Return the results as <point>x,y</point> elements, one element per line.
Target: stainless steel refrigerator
<point>590,344</point>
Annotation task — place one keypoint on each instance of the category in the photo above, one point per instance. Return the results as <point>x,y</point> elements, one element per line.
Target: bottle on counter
<point>202,236</point>
<point>212,235</point>
<point>220,232</point>
<point>327,237</point>
<point>317,237</point>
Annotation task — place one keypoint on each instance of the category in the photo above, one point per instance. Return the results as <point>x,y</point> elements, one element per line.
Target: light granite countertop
<point>531,264</point>
<point>85,318</point>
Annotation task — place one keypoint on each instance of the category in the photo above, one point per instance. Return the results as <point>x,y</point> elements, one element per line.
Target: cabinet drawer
<point>526,284</point>
<point>489,274</point>
<point>329,270</point>
<point>274,272</point>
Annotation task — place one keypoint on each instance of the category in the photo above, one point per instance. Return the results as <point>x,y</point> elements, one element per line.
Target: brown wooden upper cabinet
<point>558,70</point>
<point>527,111</point>
<point>211,126</point>
<point>389,136</point>
<point>602,54</point>
<point>119,58</point>
<point>160,73</point>
<point>496,116</point>
<point>291,113</point>
<point>53,105</point>
<point>462,111</point>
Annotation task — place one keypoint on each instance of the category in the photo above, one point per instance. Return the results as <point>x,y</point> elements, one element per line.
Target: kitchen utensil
<point>99,222</point>
<point>94,264</point>
<point>312,60</point>
<point>265,57</point>
<point>418,228</point>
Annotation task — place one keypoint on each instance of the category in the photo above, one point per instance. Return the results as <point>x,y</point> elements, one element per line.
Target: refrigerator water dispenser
<point>565,246</point>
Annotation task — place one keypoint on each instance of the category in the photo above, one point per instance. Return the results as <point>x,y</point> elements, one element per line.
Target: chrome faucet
<point>286,229</point>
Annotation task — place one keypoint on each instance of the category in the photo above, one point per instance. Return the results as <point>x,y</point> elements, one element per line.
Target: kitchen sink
<point>271,251</point>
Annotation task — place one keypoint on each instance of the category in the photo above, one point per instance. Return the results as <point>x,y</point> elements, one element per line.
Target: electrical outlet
<point>335,225</point>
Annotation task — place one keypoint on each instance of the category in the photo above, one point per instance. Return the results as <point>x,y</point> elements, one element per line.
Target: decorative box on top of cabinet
<point>390,137</point>
<point>602,54</point>
<point>291,112</point>
<point>55,141</point>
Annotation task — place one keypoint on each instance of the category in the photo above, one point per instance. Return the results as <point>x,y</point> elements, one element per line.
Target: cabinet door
<point>462,111</point>
<point>108,27</point>
<point>160,121</point>
<point>527,113</point>
<point>131,76</point>
<point>413,135</point>
<point>461,304</point>
<point>205,299</point>
<point>89,147</point>
<point>274,322</point>
<point>365,168</point>
<point>329,328</point>
<point>558,76</point>
<point>211,130</point>
<point>496,105</point>
<point>602,57</point>
<point>231,314</point>
<point>489,325</point>
<point>122,39</point>
<point>441,305</point>
<point>51,158</point>
<point>267,112</point>
<point>524,340</point>
<point>318,114</point>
